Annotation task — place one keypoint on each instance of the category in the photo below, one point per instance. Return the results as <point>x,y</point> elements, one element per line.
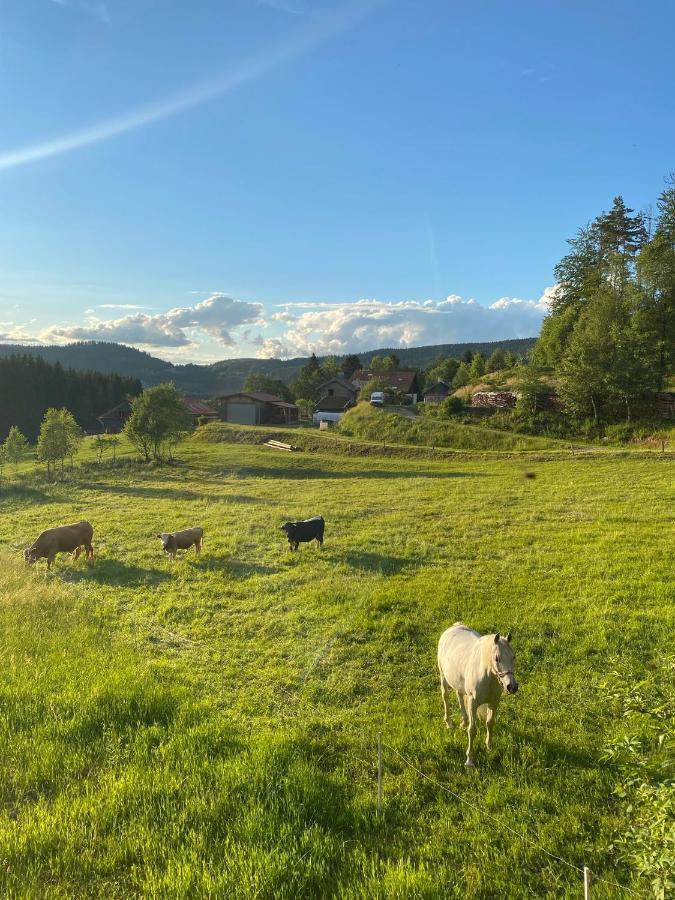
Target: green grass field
<point>208,728</point>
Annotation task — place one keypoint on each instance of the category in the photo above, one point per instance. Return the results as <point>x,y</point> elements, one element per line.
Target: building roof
<point>260,396</point>
<point>333,404</point>
<point>341,381</point>
<point>198,407</point>
<point>434,387</point>
<point>404,381</point>
<point>122,406</point>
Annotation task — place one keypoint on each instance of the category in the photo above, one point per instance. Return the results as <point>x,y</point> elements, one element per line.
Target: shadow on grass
<point>170,493</point>
<point>234,568</point>
<point>23,492</point>
<point>114,572</point>
<point>307,472</point>
<point>376,562</point>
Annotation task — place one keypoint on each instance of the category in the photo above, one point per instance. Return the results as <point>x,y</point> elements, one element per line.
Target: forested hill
<point>29,386</point>
<point>229,375</point>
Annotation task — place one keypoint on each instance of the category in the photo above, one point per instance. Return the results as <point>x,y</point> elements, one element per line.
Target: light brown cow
<point>62,539</point>
<point>182,540</point>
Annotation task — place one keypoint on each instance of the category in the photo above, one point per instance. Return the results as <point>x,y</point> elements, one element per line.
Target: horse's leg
<point>462,710</point>
<point>471,708</point>
<point>489,721</point>
<point>76,552</point>
<point>444,694</point>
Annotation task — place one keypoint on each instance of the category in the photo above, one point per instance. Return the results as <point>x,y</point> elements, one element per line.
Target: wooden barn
<point>114,419</point>
<point>255,409</point>
<point>335,396</point>
<point>437,393</point>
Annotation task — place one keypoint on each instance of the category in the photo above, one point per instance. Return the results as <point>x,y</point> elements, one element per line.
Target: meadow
<point>208,728</point>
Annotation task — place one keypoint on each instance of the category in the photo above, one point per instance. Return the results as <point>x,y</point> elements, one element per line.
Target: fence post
<point>379,773</point>
<point>587,883</point>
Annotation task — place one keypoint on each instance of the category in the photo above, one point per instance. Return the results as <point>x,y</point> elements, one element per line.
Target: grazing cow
<point>302,532</point>
<point>62,539</point>
<point>479,670</point>
<point>182,540</point>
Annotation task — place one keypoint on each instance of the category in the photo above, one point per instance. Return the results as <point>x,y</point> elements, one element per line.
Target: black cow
<point>302,532</point>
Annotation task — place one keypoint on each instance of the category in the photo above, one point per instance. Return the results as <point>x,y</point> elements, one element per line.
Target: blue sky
<point>270,177</point>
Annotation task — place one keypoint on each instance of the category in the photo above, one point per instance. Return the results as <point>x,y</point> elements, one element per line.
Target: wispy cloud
<point>95,8</point>
<point>120,306</point>
<point>246,71</point>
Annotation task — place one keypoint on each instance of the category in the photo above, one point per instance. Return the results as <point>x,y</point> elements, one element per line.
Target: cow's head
<point>288,528</point>
<point>30,555</point>
<point>165,539</point>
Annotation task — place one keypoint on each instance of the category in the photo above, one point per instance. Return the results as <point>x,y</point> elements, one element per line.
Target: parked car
<point>377,398</point>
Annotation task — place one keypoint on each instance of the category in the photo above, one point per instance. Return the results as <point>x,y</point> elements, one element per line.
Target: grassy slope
<point>208,728</point>
<point>368,422</point>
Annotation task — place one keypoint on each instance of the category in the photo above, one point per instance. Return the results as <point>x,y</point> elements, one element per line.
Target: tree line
<point>29,386</point>
<point>610,335</point>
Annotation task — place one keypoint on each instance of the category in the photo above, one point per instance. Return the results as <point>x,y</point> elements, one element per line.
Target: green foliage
<point>209,728</point>
<point>59,437</point>
<point>256,382</point>
<point>350,364</point>
<point>158,421</point>
<point>443,369</point>
<point>497,361</point>
<point>15,446</point>
<point>642,753</point>
<point>462,376</point>
<point>452,406</point>
<point>611,330</point>
<point>384,363</point>
<point>477,367</point>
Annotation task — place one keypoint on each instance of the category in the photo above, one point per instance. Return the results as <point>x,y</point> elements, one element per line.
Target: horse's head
<point>504,663</point>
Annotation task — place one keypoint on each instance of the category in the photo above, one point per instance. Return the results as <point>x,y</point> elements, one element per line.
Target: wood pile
<point>502,399</point>
<point>279,445</point>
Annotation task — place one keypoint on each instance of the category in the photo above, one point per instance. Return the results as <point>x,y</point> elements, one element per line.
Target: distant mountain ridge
<point>228,376</point>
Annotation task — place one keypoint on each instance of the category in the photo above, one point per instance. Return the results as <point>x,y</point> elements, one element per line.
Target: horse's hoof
<point>462,725</point>
<point>470,764</point>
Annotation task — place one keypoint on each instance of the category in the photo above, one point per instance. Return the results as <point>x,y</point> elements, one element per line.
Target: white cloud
<point>216,317</point>
<point>369,324</point>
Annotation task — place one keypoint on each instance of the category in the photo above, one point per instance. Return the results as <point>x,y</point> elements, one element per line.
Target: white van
<point>377,398</point>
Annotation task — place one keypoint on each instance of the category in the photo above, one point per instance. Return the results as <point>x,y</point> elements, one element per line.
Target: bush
<point>452,406</point>
<point>620,433</point>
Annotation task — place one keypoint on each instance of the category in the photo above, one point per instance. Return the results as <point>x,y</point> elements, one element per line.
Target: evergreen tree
<point>497,361</point>
<point>477,369</point>
<point>350,364</point>
<point>462,376</point>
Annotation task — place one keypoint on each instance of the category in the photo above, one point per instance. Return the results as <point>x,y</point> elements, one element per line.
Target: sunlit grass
<point>208,727</point>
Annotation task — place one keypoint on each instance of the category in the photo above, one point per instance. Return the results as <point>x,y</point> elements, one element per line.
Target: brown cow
<point>182,540</point>
<point>62,539</point>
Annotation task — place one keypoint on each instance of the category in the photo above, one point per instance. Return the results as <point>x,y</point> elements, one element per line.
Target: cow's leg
<point>76,552</point>
<point>50,560</point>
<point>462,710</point>
<point>489,722</point>
<point>472,710</point>
<point>90,551</point>
<point>198,548</point>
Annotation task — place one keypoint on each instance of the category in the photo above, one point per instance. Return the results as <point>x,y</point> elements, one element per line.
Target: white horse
<point>479,670</point>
